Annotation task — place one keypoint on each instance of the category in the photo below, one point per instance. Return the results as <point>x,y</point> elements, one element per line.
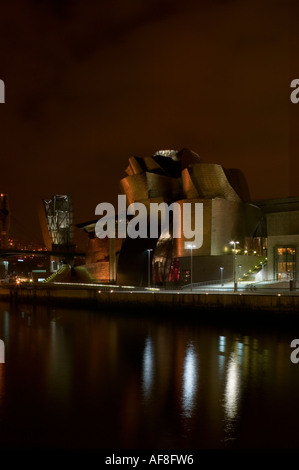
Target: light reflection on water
<point>232,390</point>
<point>89,379</point>
<point>59,365</point>
<point>190,378</point>
<point>5,326</point>
<point>2,391</point>
<point>147,373</point>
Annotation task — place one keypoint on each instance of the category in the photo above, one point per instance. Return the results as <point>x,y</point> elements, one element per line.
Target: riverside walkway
<point>221,303</point>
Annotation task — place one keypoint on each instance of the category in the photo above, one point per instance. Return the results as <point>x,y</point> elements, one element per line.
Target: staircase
<point>63,274</point>
<point>250,275</point>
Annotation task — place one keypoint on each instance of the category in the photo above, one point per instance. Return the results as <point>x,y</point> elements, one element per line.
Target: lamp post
<point>149,266</point>
<point>221,275</point>
<point>190,247</point>
<point>233,242</point>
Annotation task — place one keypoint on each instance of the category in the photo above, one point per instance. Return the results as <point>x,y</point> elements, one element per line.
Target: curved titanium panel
<point>150,185</point>
<point>210,181</point>
<point>134,167</point>
<point>188,157</point>
<point>190,191</point>
<point>134,187</point>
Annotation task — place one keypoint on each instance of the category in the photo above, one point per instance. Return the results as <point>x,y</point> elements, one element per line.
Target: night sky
<point>91,83</point>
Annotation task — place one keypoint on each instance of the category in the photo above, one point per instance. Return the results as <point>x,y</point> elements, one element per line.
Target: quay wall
<point>180,304</point>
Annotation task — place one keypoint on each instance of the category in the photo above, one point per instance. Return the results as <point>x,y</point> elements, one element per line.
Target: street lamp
<point>190,247</point>
<point>149,266</point>
<point>221,275</point>
<point>233,242</point>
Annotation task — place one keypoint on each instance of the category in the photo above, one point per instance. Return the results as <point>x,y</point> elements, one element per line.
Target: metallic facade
<point>181,176</point>
<point>101,255</point>
<point>173,176</point>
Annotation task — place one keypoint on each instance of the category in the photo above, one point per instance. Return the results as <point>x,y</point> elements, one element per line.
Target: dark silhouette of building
<point>4,220</point>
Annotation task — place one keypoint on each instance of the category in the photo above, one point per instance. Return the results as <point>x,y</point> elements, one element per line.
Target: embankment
<point>243,307</point>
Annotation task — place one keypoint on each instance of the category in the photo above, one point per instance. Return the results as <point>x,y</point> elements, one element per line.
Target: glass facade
<point>174,272</point>
<point>59,213</point>
<point>285,262</point>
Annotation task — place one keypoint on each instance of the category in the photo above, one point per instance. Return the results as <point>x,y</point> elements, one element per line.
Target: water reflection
<point>221,356</point>
<point>222,342</point>
<point>6,326</point>
<point>2,386</point>
<point>59,364</point>
<point>240,353</point>
<point>93,379</point>
<point>190,379</point>
<point>232,387</point>
<point>147,368</point>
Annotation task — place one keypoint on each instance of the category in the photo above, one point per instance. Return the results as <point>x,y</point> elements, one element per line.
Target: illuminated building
<point>56,220</point>
<point>181,176</point>
<point>101,255</point>
<point>282,218</point>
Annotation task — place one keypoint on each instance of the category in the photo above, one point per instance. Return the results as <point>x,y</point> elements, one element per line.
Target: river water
<point>86,379</point>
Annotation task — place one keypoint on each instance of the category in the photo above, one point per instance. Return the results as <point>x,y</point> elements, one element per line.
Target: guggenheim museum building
<point>241,240</point>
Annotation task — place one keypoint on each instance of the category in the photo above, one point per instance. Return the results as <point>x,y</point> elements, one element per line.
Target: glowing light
<point>6,325</point>
<point>83,284</point>
<point>234,243</point>
<point>221,361</point>
<point>222,341</point>
<point>231,395</point>
<point>189,380</point>
<point>147,367</point>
